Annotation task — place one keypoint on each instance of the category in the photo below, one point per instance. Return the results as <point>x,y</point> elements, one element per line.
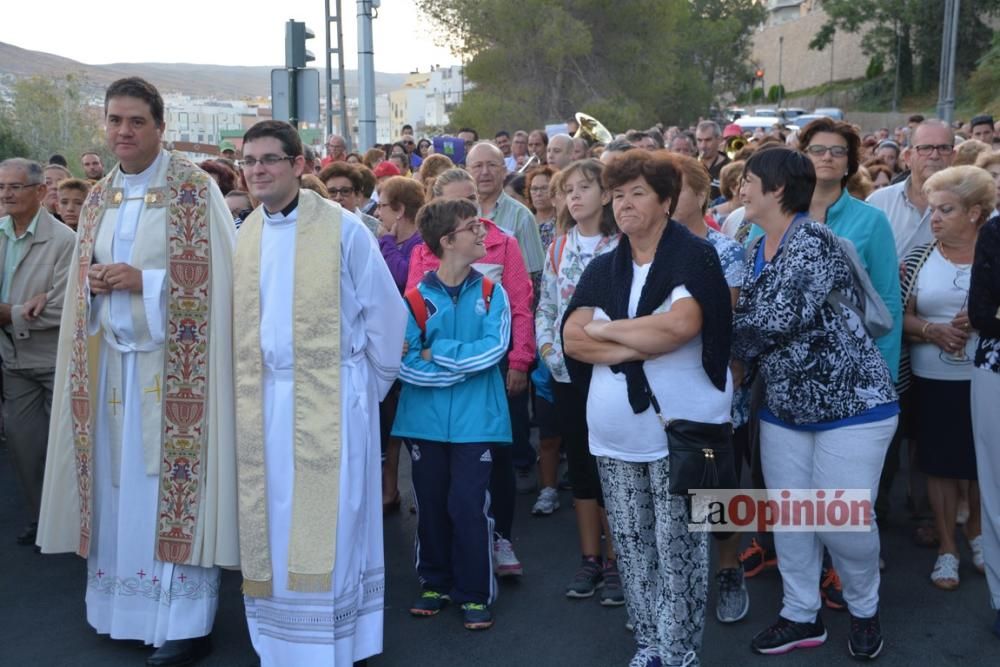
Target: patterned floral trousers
<point>664,566</point>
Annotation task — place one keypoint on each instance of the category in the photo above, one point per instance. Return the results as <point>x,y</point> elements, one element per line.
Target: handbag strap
<point>652,399</point>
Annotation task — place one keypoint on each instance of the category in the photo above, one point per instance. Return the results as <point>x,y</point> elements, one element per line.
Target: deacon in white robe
<point>342,623</point>
<point>133,592</point>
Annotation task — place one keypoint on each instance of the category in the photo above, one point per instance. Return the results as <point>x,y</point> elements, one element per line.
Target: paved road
<point>42,616</point>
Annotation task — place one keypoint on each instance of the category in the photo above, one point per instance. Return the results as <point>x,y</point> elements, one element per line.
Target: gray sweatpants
<point>986,430</point>
<point>664,567</point>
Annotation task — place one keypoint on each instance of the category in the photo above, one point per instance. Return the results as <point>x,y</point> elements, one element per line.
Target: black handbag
<point>701,454</point>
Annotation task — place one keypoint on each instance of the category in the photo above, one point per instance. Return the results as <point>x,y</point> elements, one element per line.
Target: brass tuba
<point>591,130</point>
<point>734,145</point>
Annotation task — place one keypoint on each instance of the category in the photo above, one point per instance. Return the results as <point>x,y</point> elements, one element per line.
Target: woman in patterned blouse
<point>830,408</point>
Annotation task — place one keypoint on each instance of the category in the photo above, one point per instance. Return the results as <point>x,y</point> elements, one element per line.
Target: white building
<point>444,92</point>
<point>406,104</point>
<point>383,134</point>
<point>782,11</point>
<point>202,121</point>
<point>425,101</point>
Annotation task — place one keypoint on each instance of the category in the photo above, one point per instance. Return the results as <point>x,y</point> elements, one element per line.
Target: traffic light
<point>759,73</point>
<point>296,53</point>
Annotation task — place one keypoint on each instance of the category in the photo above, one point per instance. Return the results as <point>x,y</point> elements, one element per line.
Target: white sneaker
<point>505,562</point>
<point>547,503</point>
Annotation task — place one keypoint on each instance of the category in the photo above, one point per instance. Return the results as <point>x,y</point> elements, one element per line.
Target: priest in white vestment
<point>319,328</point>
<point>141,470</point>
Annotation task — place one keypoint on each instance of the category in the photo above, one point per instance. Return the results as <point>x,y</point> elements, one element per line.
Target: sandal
<point>926,536</point>
<point>976,544</point>
<point>945,573</point>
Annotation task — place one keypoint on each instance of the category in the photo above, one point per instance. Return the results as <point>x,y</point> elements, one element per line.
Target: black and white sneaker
<point>785,636</point>
<point>865,642</point>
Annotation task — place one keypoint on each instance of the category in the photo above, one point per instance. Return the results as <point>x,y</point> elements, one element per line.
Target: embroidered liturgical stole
<point>184,425</point>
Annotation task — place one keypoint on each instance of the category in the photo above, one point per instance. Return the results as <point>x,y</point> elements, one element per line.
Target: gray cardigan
<point>42,267</point>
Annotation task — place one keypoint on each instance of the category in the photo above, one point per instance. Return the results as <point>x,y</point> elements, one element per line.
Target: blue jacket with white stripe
<point>459,395</point>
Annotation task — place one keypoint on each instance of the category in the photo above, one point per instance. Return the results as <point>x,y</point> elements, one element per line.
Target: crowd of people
<point>218,365</point>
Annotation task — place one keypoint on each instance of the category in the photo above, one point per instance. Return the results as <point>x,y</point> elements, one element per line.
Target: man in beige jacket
<point>35,254</point>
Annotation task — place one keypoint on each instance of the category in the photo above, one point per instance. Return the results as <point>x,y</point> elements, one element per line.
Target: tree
<point>628,64</point>
<point>984,83</point>
<point>11,145</point>
<point>911,28</point>
<point>723,39</point>
<point>51,116</point>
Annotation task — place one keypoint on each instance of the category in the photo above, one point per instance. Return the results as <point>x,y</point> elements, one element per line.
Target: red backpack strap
<point>487,292</point>
<point>418,308</point>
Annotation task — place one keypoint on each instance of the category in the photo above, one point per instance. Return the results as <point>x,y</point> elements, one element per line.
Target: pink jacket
<point>504,264</point>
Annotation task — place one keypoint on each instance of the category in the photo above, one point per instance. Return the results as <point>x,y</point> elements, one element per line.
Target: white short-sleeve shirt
<point>679,382</point>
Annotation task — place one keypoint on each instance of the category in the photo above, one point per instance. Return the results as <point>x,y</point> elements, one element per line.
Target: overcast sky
<point>217,32</point>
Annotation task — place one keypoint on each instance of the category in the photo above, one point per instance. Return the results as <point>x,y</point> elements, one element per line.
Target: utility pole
<point>949,44</point>
<point>337,80</point>
<point>366,75</point>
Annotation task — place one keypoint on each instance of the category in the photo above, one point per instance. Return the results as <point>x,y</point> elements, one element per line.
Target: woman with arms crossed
<point>654,315</point>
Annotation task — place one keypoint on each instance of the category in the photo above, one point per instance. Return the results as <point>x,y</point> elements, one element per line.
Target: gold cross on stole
<point>155,389</point>
<point>114,402</point>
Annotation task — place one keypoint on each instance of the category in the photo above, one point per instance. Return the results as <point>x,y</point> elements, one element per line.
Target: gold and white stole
<point>317,418</point>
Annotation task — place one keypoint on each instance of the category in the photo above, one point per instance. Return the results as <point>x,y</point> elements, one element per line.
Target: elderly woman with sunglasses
<point>943,344</point>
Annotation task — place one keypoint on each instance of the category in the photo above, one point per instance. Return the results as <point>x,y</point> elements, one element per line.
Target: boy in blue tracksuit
<point>452,410</point>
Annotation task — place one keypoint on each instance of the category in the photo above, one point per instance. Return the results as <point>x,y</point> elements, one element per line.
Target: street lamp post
<point>949,43</point>
<point>366,75</point>
<point>830,91</point>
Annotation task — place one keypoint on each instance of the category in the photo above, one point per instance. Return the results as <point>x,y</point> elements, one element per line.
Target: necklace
<point>949,259</point>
